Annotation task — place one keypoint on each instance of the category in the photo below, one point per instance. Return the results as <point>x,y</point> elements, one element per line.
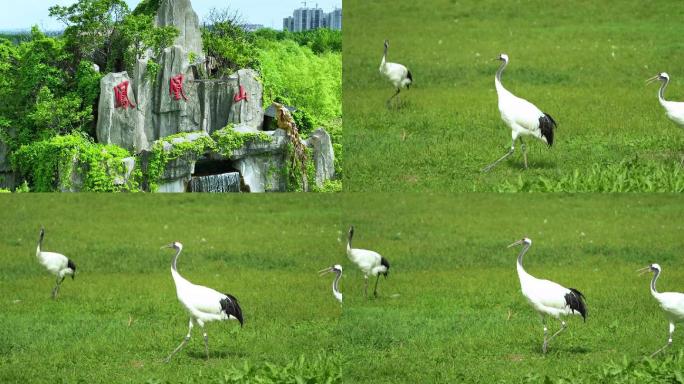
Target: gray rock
<point>179,13</point>
<point>74,183</point>
<point>249,112</point>
<point>323,155</point>
<point>173,116</point>
<point>118,125</point>
<point>263,173</point>
<point>143,91</point>
<point>216,100</point>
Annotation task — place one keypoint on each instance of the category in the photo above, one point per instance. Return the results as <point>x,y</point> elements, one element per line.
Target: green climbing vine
<point>178,146</point>
<point>228,139</point>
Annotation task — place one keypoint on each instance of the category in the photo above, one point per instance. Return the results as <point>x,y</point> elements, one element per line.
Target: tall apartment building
<point>305,19</point>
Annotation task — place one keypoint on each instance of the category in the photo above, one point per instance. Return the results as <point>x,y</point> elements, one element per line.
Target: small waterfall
<point>227,182</point>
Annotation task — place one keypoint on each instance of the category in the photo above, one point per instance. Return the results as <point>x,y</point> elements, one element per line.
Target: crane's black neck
<point>349,239</point>
<point>653,281</point>
<point>500,70</point>
<point>337,279</point>
<point>522,253</point>
<point>661,92</point>
<point>175,258</point>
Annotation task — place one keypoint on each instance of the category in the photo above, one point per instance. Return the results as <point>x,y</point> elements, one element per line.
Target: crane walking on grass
<point>370,262</point>
<point>548,298</point>
<point>203,304</point>
<point>523,117</point>
<point>56,263</point>
<point>671,302</point>
<point>397,74</point>
<point>337,270</point>
<point>674,109</point>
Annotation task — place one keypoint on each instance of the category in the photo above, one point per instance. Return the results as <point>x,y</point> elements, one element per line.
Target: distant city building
<point>252,27</point>
<point>305,19</point>
<point>334,19</point>
<point>288,23</point>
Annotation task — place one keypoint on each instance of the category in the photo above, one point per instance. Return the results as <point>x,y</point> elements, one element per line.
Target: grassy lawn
<point>120,317</point>
<point>451,309</point>
<point>582,62</point>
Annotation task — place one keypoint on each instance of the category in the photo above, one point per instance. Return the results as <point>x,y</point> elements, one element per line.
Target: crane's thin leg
<point>562,328</point>
<point>375,291</point>
<point>669,340</point>
<point>365,289</point>
<point>523,148</point>
<point>546,331</point>
<point>206,338</point>
<point>55,290</point>
<point>390,99</point>
<point>490,166</point>
<point>182,344</point>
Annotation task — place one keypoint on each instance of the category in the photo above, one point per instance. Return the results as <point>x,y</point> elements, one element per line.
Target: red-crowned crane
<point>397,74</point>
<point>337,270</point>
<point>673,109</point>
<point>370,262</point>
<point>671,302</point>
<point>548,298</point>
<point>56,263</point>
<point>203,304</point>
<point>523,117</point>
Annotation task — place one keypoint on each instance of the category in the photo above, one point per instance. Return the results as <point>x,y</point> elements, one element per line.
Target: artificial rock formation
<point>117,124</point>
<point>177,100</point>
<point>179,13</point>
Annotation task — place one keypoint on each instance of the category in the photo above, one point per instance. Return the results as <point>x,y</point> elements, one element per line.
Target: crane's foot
<point>545,346</point>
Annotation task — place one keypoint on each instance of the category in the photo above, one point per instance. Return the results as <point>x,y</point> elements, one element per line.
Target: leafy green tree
<point>91,25</point>
<point>140,34</point>
<point>55,116</point>
<point>227,43</point>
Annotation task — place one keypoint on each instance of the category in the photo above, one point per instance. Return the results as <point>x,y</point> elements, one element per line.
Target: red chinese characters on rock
<point>242,95</point>
<point>176,87</point>
<point>121,99</point>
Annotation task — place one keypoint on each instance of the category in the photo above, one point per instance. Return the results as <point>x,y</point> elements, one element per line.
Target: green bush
<point>227,139</point>
<point>49,164</point>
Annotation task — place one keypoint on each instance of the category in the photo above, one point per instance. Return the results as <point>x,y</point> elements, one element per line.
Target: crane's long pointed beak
<point>643,270</point>
<point>167,246</point>
<point>516,243</point>
<point>652,79</point>
<point>324,271</point>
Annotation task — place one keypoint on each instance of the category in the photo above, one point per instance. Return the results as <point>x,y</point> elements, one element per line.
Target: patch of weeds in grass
<point>626,176</point>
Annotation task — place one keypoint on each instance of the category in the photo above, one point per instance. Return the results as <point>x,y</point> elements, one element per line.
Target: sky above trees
<point>270,13</point>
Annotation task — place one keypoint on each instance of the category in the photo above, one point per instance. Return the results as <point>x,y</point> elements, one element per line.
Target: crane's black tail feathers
<point>547,124</point>
<point>231,306</point>
<point>410,77</point>
<point>575,300</point>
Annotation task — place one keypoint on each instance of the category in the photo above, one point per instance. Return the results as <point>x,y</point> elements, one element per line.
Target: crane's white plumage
<point>369,262</point>
<point>397,74</point>
<point>673,109</point>
<point>671,302</point>
<point>546,297</point>
<point>523,117</point>
<point>337,270</point>
<point>56,263</point>
<point>202,304</point>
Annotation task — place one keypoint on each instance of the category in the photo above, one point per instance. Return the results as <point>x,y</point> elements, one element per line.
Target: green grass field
<point>120,317</point>
<point>450,310</point>
<point>582,62</point>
